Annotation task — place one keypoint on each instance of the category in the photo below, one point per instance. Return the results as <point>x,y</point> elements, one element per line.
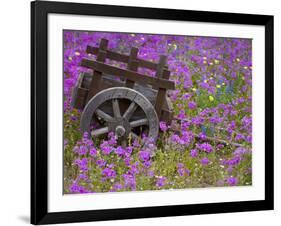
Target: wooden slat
<point>97,75</point>
<point>134,76</point>
<point>122,58</point>
<point>81,98</point>
<point>160,66</point>
<point>132,65</point>
<point>161,95</point>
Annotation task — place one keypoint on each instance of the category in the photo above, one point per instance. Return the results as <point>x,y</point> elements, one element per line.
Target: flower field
<point>211,146</point>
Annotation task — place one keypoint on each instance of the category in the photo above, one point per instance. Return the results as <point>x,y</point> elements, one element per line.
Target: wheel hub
<point>120,126</point>
<point>120,131</point>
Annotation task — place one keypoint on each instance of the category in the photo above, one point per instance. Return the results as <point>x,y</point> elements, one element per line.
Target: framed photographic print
<point>145,112</point>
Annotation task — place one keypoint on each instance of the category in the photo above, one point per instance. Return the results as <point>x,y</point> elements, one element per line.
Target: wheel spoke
<point>104,115</point>
<point>139,122</point>
<point>100,131</point>
<point>116,108</point>
<point>130,111</point>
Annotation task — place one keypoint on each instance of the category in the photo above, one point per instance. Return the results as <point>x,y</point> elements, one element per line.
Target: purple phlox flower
<point>83,176</point>
<point>174,94</point>
<point>204,85</point>
<point>101,163</point>
<point>76,149</point>
<point>106,148</point>
<point>186,96</point>
<point>136,143</point>
<point>239,136</point>
<point>129,150</point>
<point>181,114</point>
<point>150,173</point>
<point>220,146</point>
<point>205,161</point>
<point>187,137</point>
<point>147,141</point>
<point>93,152</point>
<point>205,147</point>
<point>182,170</point>
<point>144,155</point>
<point>109,173</point>
<point>197,120</point>
<point>233,161</point>
<point>82,164</point>
<point>175,138</point>
<point>134,168</point>
<point>119,151</point>
<point>110,165</point>
<point>246,121</point>
<point>163,126</point>
<point>233,112</point>
<point>151,147</point>
<point>161,181</point>
<point>232,181</point>
<point>229,169</point>
<point>249,138</point>
<point>192,105</point>
<point>112,139</point>
<point>215,119</point>
<point>65,142</point>
<point>76,188</point>
<point>233,75</point>
<point>117,187</point>
<point>129,181</point>
<point>85,135</point>
<point>202,136</point>
<point>185,125</point>
<point>187,171</point>
<point>240,151</point>
<point>147,164</point>
<point>127,161</point>
<point>193,153</point>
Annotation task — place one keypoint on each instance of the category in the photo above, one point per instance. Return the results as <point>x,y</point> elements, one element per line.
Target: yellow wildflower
<point>211,98</point>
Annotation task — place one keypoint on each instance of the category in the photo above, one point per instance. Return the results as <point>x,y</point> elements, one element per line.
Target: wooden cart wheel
<point>121,123</point>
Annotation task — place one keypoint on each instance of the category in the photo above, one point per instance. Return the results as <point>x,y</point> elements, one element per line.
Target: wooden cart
<point>122,101</point>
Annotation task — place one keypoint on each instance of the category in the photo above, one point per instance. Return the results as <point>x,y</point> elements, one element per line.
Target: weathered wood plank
<point>122,58</point>
<point>81,98</point>
<point>161,95</point>
<point>97,75</point>
<point>160,66</point>
<point>134,76</point>
<point>132,65</point>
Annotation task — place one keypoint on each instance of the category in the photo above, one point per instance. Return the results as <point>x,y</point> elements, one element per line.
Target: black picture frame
<point>39,112</point>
